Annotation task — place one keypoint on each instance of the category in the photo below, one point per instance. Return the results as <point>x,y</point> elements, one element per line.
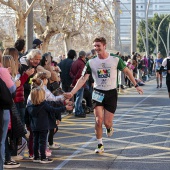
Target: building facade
<point>156,6</point>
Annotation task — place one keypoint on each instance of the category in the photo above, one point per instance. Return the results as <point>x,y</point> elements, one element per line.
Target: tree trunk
<point>67,42</point>
<point>20,26</point>
<point>45,44</point>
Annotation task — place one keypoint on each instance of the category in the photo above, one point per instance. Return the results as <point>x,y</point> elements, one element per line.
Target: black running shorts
<point>109,102</point>
<point>168,82</point>
<point>159,71</point>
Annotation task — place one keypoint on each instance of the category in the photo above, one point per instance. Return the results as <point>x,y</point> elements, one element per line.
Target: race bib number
<point>97,96</point>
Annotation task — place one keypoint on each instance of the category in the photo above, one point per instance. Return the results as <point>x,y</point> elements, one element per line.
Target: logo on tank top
<point>103,73</point>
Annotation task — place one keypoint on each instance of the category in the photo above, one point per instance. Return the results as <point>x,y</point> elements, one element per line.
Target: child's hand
<point>66,101</point>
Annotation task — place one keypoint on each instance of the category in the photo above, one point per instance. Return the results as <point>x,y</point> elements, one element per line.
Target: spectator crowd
<point>33,85</point>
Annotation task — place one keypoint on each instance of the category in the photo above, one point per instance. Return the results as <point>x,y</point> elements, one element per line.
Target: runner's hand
<point>139,89</point>
<point>68,95</point>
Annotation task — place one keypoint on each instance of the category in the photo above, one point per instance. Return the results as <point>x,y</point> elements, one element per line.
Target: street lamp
<point>114,24</point>
<point>155,41</point>
<point>29,28</point>
<point>147,46</point>
<point>147,28</point>
<point>157,44</point>
<point>133,25</point>
<point>168,41</point>
<point>138,27</point>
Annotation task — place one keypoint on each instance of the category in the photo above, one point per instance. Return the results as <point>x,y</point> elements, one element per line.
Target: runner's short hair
<point>100,39</point>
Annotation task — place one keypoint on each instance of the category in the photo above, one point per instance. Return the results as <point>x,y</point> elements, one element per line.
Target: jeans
<point>6,119</point>
<point>40,139</point>
<point>78,103</point>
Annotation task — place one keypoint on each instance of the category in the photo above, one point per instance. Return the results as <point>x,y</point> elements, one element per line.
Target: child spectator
<point>48,96</point>
<point>39,113</point>
<point>54,86</point>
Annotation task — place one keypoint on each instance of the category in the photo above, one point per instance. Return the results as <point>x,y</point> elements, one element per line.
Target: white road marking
<point>93,138</point>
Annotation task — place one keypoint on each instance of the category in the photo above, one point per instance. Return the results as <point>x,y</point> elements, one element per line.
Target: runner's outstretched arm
<point>81,81</point>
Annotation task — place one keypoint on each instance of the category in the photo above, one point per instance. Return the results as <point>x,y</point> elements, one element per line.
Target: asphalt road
<point>141,139</point>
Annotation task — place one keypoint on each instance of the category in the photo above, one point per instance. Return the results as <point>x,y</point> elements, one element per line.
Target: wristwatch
<point>136,85</point>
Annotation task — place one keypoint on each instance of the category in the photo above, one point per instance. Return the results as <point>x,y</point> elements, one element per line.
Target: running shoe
<point>109,132</point>
<point>99,149</point>
<point>30,157</point>
<point>54,146</point>
<point>48,153</point>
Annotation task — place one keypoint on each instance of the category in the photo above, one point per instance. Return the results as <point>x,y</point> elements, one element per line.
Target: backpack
<point>6,101</point>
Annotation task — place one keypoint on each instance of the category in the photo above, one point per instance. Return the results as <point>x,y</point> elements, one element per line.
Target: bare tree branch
<point>9,3</point>
<point>29,9</point>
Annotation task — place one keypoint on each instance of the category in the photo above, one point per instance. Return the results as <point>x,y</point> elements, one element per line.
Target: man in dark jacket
<point>75,72</point>
<point>65,66</point>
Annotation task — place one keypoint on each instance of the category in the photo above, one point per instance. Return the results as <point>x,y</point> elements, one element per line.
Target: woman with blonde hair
<point>14,53</point>
<point>7,78</point>
<point>9,62</point>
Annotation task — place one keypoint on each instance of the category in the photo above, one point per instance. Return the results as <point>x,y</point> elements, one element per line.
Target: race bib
<point>97,96</point>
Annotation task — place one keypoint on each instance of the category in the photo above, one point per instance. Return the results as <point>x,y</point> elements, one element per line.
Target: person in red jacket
<point>75,72</point>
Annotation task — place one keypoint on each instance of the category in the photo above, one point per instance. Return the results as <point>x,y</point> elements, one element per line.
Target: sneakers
<point>11,164</point>
<point>17,158</point>
<point>109,132</point>
<point>30,157</point>
<point>46,161</point>
<point>48,150</point>
<point>48,153</point>
<point>54,146</point>
<point>36,160</point>
<point>100,149</point>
